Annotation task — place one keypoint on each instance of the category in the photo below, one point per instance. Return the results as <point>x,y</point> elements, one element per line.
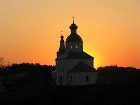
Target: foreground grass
<point>117,94</point>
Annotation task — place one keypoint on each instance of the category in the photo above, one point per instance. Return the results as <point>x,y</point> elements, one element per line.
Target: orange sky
<point>30,29</point>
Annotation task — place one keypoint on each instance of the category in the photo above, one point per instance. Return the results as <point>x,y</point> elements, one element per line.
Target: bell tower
<point>62,46</point>
<point>74,42</point>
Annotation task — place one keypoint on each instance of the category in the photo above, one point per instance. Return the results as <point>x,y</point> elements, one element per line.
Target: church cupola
<point>73,27</point>
<point>74,41</point>
<point>62,46</point>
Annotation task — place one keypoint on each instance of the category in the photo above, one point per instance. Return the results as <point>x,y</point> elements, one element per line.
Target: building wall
<point>65,65</point>
<point>80,78</point>
<point>70,63</point>
<point>74,46</point>
<point>59,72</point>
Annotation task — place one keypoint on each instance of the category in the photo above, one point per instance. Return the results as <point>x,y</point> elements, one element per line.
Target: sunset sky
<point>30,30</point>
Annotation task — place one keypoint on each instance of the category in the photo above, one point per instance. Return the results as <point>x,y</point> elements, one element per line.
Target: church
<point>73,65</point>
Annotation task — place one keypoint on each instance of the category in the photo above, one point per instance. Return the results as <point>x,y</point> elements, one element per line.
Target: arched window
<point>60,80</point>
<point>87,78</point>
<point>76,46</point>
<point>70,46</point>
<point>71,78</point>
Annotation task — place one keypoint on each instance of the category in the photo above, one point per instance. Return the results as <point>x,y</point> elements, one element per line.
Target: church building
<point>73,65</point>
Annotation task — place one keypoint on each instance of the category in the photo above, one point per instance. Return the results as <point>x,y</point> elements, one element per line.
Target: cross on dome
<point>73,19</point>
<point>73,25</point>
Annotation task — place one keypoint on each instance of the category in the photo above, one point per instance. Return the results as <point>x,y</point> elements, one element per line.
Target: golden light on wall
<point>97,57</point>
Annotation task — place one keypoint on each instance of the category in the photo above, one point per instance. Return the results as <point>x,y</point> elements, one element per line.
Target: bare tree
<point>1,61</point>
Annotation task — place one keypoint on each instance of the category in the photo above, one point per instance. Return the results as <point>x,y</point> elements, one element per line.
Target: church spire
<point>62,46</point>
<point>73,27</point>
<point>73,19</point>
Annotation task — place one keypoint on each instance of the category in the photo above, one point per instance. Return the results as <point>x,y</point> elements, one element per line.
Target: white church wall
<point>59,71</point>
<point>80,78</point>
<point>70,63</point>
<point>63,66</point>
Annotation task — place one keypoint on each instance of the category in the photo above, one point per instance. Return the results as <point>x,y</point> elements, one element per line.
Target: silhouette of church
<point>73,65</point>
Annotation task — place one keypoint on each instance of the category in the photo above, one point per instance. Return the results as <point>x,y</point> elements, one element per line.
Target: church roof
<point>75,55</point>
<point>74,37</point>
<point>82,67</point>
<point>78,55</point>
<point>73,26</point>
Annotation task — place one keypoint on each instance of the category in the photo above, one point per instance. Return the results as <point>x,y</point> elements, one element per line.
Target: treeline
<point>111,87</point>
<point>24,75</point>
<point>26,67</point>
<point>115,68</point>
<point>114,74</point>
<point>30,75</point>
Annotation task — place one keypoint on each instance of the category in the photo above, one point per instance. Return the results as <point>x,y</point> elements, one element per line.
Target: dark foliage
<point>26,67</point>
<point>123,94</point>
<point>115,86</point>
<point>114,74</point>
<point>25,75</point>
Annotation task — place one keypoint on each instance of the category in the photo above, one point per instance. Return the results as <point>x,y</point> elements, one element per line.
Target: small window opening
<point>87,78</point>
<point>60,80</point>
<point>70,46</point>
<point>76,46</point>
<point>71,79</point>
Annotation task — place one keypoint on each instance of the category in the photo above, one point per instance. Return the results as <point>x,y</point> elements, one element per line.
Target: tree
<point>1,61</point>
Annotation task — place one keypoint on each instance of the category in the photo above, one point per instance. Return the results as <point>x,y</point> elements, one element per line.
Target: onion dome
<point>73,37</point>
<point>73,26</point>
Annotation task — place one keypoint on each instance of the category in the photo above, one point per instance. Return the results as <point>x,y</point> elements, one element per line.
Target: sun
<point>96,55</point>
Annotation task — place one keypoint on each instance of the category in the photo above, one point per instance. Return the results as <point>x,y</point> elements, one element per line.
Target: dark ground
<point>115,94</point>
<point>121,87</point>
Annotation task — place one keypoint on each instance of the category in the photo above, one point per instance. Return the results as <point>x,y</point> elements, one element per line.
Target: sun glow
<point>96,55</point>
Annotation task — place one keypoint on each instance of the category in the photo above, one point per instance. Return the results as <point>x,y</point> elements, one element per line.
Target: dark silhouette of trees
<point>1,62</point>
<point>29,83</point>
<point>25,75</point>
<point>114,74</point>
